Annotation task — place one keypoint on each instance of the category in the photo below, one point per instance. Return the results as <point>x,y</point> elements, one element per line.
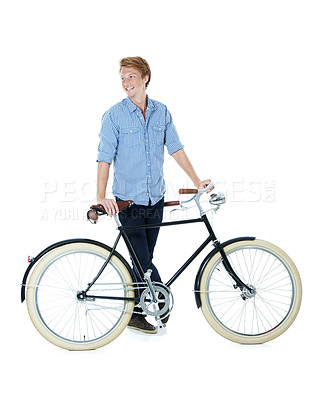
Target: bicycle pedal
<point>160,324</point>
<point>161,330</point>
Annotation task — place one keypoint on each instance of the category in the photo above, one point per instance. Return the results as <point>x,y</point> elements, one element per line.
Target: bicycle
<point>81,293</point>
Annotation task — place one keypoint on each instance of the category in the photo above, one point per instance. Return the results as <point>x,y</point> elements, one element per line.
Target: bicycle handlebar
<point>197,194</point>
<point>196,191</point>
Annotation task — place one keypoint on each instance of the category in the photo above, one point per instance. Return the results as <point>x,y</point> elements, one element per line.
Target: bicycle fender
<point>61,243</point>
<point>207,258</point>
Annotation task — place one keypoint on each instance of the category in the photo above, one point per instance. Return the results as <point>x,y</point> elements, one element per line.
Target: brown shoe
<point>141,324</point>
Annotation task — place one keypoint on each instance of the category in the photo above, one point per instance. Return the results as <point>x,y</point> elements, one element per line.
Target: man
<point>133,135</point>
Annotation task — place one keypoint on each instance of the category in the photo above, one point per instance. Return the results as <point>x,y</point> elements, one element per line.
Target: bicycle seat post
<point>117,221</point>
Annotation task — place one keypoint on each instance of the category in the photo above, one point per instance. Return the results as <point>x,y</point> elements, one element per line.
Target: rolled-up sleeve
<point>108,139</point>
<point>172,141</point>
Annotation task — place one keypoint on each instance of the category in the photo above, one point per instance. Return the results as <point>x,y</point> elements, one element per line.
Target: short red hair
<point>138,63</point>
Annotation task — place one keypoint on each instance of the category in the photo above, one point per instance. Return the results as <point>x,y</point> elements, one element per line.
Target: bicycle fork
<point>239,284</point>
<point>226,263</point>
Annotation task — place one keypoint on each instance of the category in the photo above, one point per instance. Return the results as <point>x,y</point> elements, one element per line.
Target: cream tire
<point>77,325</point>
<point>281,299</point>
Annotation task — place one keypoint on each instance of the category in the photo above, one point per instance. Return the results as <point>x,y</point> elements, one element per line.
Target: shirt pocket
<point>130,136</point>
<point>157,134</point>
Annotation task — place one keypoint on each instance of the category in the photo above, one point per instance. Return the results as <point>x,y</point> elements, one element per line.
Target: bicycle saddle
<point>95,211</point>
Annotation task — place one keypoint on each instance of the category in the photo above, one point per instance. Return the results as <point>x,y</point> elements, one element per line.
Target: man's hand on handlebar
<point>110,206</point>
<point>204,184</point>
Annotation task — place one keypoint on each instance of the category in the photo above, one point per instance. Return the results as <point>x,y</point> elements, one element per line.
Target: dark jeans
<point>143,240</point>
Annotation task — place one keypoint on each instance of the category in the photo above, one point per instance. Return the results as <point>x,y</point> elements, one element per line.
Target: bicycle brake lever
<point>182,208</point>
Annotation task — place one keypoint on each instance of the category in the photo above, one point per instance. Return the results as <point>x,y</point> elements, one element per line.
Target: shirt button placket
<point>144,124</point>
<point>148,167</point>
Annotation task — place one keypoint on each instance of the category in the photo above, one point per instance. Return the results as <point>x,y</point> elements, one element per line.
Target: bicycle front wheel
<point>259,315</point>
<point>60,315</point>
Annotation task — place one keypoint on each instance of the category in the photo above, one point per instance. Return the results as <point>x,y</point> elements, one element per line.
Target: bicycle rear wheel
<point>251,317</point>
<point>57,312</point>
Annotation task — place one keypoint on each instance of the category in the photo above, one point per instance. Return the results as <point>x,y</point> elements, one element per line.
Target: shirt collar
<point>150,105</point>
<point>132,107</point>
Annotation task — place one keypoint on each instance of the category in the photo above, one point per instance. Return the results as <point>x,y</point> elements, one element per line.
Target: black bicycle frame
<point>211,238</point>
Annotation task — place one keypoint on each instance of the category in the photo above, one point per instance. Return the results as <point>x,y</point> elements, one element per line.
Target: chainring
<point>163,295</point>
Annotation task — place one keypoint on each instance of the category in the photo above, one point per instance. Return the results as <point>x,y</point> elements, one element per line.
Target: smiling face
<point>133,83</point>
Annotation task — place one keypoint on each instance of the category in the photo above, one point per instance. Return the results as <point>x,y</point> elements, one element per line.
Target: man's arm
<point>110,205</point>
<point>183,161</point>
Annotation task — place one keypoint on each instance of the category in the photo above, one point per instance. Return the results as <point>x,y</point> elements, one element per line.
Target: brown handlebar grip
<point>171,203</point>
<point>188,191</point>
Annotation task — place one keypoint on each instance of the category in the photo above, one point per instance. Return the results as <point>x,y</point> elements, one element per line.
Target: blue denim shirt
<point>136,146</point>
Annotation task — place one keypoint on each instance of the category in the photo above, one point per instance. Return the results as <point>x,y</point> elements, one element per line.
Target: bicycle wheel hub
<point>81,296</point>
<point>248,294</point>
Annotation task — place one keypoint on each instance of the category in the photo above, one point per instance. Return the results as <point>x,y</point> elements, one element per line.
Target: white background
<point>238,78</point>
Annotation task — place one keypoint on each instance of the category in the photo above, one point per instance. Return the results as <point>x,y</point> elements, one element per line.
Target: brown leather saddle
<point>96,211</point>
